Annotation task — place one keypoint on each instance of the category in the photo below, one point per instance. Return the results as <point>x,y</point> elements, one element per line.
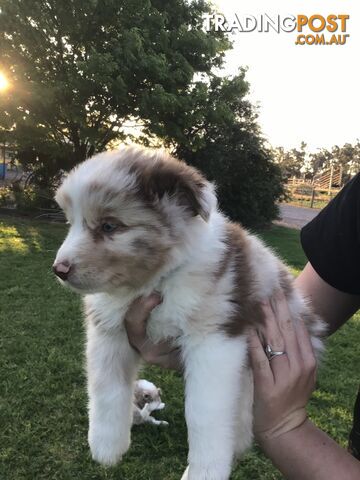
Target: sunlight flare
<point>4,83</point>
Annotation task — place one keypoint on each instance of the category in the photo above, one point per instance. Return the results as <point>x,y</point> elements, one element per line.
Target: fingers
<point>307,352</point>
<point>273,337</point>
<point>172,360</point>
<point>136,318</point>
<point>287,329</point>
<point>296,343</point>
<point>262,372</point>
<point>283,385</point>
<point>162,353</point>
<point>271,330</point>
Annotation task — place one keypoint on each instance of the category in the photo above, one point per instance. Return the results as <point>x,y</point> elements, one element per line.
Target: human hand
<point>163,354</point>
<point>282,386</point>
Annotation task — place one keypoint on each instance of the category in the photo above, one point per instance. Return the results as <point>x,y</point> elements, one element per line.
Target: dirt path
<point>295,217</point>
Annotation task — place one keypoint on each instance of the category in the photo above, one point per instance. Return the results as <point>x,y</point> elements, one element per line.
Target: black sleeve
<point>331,241</point>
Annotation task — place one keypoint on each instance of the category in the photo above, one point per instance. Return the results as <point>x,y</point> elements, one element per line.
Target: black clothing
<point>331,242</point>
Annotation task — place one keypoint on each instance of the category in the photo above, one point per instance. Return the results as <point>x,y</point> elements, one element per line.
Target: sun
<point>4,83</point>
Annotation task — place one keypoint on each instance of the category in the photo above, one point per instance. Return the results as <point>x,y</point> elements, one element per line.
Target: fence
<point>320,190</point>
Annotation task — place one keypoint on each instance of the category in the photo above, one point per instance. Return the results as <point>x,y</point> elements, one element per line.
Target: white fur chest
<point>183,295</point>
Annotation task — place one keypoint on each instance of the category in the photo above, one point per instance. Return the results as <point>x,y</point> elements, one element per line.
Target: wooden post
<point>312,197</point>
<point>331,179</point>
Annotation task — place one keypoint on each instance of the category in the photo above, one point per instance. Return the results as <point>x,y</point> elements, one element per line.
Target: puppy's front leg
<point>147,418</point>
<point>111,366</point>
<point>213,374</point>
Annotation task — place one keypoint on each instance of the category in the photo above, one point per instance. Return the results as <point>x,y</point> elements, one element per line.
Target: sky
<point>304,92</point>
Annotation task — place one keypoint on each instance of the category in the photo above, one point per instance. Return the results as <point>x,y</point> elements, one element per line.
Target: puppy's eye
<point>147,396</point>
<point>108,227</point>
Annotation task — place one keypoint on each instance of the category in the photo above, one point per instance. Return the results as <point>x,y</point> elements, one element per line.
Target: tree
<point>320,160</point>
<point>226,144</point>
<point>353,163</point>
<point>81,69</point>
<point>293,163</point>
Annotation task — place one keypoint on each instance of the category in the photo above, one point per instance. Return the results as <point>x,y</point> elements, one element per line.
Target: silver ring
<point>270,353</point>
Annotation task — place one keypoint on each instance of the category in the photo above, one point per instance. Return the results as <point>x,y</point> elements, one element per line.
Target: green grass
<point>43,418</point>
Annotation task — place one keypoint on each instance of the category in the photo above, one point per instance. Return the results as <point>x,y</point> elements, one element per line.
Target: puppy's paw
<point>108,446</point>
<point>185,474</point>
<point>207,472</point>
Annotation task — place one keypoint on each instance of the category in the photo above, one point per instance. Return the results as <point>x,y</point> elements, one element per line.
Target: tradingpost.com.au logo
<point>311,29</point>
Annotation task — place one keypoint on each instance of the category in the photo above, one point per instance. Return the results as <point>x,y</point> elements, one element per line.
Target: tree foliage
<point>226,144</point>
<point>81,71</point>
<point>298,163</point>
<point>292,162</point>
<point>347,157</point>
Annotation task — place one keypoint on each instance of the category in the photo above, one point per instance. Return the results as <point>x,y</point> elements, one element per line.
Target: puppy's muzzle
<point>62,270</point>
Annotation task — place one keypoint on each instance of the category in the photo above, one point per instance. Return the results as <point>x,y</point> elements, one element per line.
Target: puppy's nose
<point>62,269</point>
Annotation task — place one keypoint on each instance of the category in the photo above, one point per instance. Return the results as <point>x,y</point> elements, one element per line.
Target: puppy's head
<point>147,392</point>
<point>127,211</point>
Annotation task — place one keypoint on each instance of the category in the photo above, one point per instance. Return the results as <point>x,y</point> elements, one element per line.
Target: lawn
<point>43,418</point>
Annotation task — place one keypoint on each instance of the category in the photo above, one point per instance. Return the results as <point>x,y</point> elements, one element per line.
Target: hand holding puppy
<point>162,354</point>
<point>284,384</point>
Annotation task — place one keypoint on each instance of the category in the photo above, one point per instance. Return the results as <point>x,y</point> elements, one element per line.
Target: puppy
<point>146,400</point>
<point>141,221</point>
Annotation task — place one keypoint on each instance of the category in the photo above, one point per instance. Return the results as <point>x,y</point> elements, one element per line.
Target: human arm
<point>307,453</point>
<point>282,388</point>
<point>333,306</point>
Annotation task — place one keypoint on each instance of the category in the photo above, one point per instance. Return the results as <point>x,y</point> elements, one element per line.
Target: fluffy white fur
<point>193,311</point>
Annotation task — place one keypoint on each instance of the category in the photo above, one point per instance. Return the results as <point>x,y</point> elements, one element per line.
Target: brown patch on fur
<point>286,282</point>
<point>143,396</point>
<point>163,174</point>
<point>143,245</point>
<point>224,263</point>
<point>139,398</point>
<point>135,270</point>
<point>246,311</point>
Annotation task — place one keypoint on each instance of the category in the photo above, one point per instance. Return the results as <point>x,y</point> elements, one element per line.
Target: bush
<point>6,197</point>
<point>248,182</point>
<point>32,198</point>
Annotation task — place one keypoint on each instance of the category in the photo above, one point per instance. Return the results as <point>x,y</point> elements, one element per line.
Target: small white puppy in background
<point>146,400</point>
<point>141,221</point>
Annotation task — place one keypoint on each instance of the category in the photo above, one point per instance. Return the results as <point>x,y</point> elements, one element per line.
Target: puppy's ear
<point>159,391</point>
<point>181,183</point>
